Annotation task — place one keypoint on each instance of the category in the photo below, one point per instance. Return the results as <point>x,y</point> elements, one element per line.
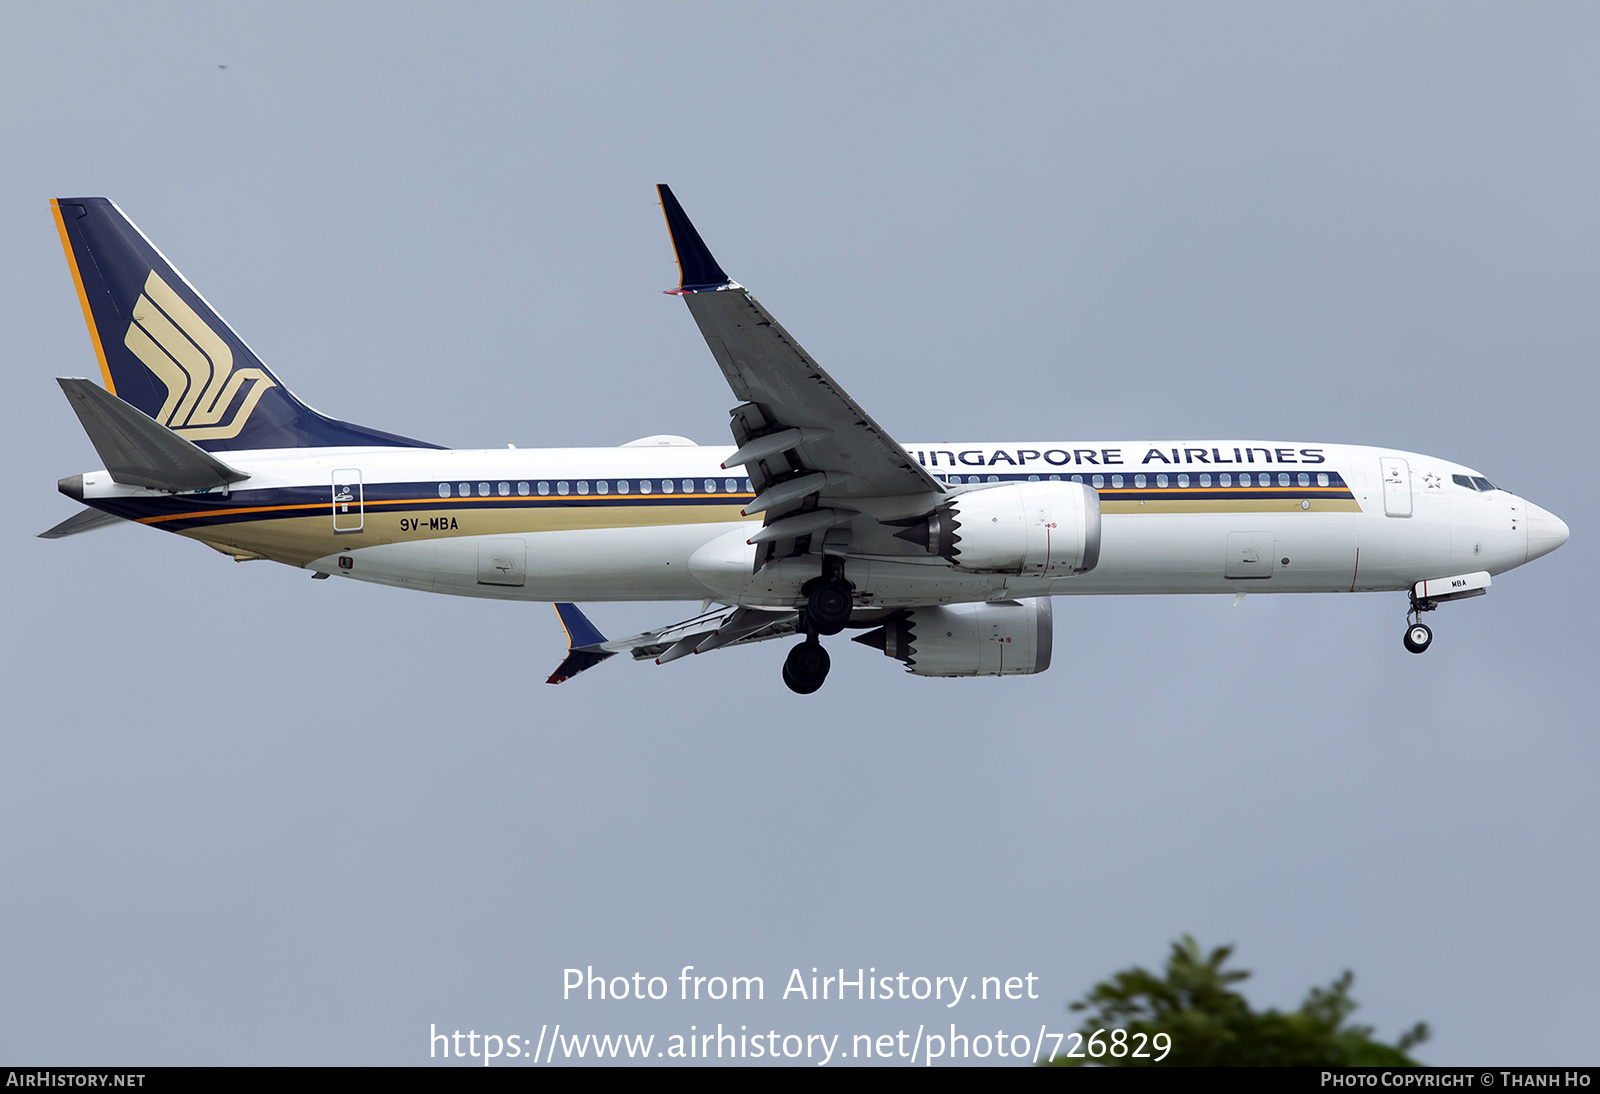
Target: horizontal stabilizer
<point>85,520</point>
<point>138,450</point>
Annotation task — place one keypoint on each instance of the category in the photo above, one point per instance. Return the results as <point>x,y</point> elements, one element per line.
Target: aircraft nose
<point>1546,532</point>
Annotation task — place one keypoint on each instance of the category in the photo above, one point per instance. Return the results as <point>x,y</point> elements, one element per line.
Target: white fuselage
<point>577,524</point>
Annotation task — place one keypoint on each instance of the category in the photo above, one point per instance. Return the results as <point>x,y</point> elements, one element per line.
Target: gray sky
<point>252,818</point>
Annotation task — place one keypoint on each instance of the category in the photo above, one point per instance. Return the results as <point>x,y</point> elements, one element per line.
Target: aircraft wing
<point>807,446</point>
<point>732,626</point>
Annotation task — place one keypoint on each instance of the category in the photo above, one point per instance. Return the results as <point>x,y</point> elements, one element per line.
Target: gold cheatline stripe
<point>1121,492</point>
<point>83,297</point>
<point>1198,495</point>
<point>392,501</point>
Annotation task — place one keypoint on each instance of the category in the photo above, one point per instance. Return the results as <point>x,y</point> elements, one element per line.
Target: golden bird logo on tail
<point>194,363</point>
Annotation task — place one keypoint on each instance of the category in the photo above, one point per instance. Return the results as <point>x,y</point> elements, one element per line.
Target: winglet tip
<point>580,632</point>
<point>698,271</point>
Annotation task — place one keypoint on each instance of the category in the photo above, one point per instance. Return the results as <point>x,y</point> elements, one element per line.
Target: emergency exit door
<point>348,500</point>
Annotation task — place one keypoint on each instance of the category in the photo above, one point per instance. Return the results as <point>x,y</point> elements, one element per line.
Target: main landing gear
<point>830,600</point>
<point>1419,636</point>
<point>806,667</point>
<point>827,610</point>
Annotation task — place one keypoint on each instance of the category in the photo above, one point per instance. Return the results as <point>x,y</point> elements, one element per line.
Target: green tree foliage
<point>1212,1024</point>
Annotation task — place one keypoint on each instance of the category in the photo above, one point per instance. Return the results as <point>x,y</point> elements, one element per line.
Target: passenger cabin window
<point>1225,479</point>
<point>1305,479</point>
<point>1116,482</point>
<point>561,486</point>
<point>644,486</point>
<point>1161,480</point>
<point>730,486</point>
<point>1322,478</point>
<point>711,486</point>
<point>666,486</point>
<point>1033,478</point>
<point>583,486</point>
<point>505,489</point>
<point>1283,478</point>
<point>688,486</point>
<point>522,488</point>
<point>444,489</point>
<point>622,486</point>
<point>1205,478</point>
<point>1098,480</point>
<point>1078,479</point>
<point>602,487</point>
<point>994,478</point>
<point>1183,480</point>
<point>1138,480</point>
<point>544,488</point>
<point>748,489</point>
<point>466,489</point>
<point>483,490</point>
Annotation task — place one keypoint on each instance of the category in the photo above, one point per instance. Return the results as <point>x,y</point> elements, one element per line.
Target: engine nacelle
<point>1037,529</point>
<point>1012,638</point>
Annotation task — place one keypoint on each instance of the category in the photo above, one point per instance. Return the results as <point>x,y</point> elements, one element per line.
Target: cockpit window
<point>1483,484</point>
<point>1462,480</point>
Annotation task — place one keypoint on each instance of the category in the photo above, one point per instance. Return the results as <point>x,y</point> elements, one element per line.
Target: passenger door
<point>349,502</point>
<point>1396,486</point>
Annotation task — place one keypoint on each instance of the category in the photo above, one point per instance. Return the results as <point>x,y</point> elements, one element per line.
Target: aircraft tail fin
<point>164,350</point>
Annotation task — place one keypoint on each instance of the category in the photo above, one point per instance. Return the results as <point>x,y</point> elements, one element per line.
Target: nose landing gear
<point>1419,636</point>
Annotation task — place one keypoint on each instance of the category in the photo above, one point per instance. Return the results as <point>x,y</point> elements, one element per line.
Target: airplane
<point>944,555</point>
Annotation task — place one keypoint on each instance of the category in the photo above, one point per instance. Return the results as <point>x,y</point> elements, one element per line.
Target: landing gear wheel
<point>1418,637</point>
<point>828,608</point>
<point>806,667</point>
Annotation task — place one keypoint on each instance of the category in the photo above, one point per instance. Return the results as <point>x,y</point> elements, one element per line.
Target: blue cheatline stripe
<point>184,511</point>
<point>180,512</point>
